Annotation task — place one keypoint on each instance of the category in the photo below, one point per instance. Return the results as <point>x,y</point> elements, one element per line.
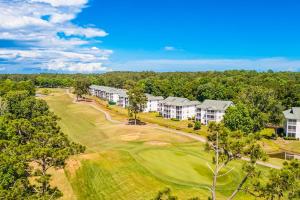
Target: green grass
<point>134,162</point>
<point>152,117</point>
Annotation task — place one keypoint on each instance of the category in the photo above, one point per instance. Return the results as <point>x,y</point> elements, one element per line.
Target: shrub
<point>112,103</point>
<point>290,138</point>
<point>189,118</point>
<point>190,125</point>
<point>174,119</point>
<point>197,125</point>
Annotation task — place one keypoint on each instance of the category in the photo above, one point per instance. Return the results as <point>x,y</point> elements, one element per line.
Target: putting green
<point>183,168</point>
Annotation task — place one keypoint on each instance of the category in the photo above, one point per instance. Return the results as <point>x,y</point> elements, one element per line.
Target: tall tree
<point>137,101</point>
<point>29,133</point>
<point>228,146</point>
<point>81,87</point>
<point>280,184</point>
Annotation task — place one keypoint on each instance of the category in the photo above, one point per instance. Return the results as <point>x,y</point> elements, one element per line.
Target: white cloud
<point>86,32</point>
<point>169,48</point>
<point>57,3</point>
<point>35,25</point>
<point>60,18</point>
<point>71,67</point>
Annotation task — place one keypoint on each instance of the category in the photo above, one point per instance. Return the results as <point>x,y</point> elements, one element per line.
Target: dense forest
<point>31,142</point>
<point>260,96</point>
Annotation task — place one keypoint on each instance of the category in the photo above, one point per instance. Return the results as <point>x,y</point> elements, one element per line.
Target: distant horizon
<point>144,71</point>
<point>90,36</point>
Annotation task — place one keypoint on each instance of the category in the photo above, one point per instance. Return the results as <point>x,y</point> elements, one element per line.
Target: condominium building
<point>152,103</point>
<point>177,107</point>
<point>123,99</point>
<point>108,93</point>
<point>211,110</point>
<point>292,122</point>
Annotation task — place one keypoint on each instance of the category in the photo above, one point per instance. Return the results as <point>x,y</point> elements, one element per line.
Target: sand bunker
<point>158,143</point>
<point>130,137</point>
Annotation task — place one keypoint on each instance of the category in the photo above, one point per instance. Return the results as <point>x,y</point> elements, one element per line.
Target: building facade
<point>211,110</point>
<point>292,122</point>
<point>177,107</point>
<point>152,103</point>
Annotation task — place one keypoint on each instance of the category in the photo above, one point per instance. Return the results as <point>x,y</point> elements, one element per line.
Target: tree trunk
<point>134,118</point>
<point>239,186</point>
<point>44,183</point>
<point>216,171</point>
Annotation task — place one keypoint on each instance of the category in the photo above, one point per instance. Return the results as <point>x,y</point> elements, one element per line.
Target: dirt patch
<point>158,143</point>
<point>74,163</point>
<point>130,137</point>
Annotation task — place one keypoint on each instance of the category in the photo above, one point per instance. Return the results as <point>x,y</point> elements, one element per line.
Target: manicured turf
<point>133,162</point>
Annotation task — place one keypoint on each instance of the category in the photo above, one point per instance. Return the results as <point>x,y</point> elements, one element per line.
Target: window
<point>291,134</point>
<point>292,121</point>
<point>291,128</point>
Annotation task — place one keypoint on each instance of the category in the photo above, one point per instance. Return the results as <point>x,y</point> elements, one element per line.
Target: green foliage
<point>112,103</point>
<point>29,133</point>
<point>137,101</point>
<point>239,117</point>
<point>281,184</point>
<point>290,138</point>
<point>165,195</point>
<point>228,146</point>
<point>175,119</point>
<point>197,125</point>
<point>81,87</point>
<point>265,94</point>
<point>190,125</point>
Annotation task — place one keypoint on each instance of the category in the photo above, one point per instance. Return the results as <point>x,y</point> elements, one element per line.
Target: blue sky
<point>160,35</point>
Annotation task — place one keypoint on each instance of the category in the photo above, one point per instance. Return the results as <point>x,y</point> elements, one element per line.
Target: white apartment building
<point>123,98</point>
<point>177,107</point>
<point>211,110</point>
<point>152,103</point>
<point>292,122</point>
<point>107,93</point>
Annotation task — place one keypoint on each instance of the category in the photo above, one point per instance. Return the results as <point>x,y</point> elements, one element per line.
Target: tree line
<point>259,96</point>
<point>31,142</point>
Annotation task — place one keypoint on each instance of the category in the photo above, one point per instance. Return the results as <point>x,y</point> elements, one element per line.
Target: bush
<point>112,103</point>
<point>290,138</point>
<point>174,119</point>
<point>197,125</point>
<point>189,118</point>
<point>158,115</point>
<point>190,125</point>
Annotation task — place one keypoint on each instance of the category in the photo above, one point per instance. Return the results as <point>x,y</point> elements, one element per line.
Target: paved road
<point>189,135</point>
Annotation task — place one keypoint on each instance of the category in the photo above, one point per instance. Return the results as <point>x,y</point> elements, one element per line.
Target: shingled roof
<point>215,105</point>
<point>293,113</point>
<point>179,101</point>
<point>154,98</point>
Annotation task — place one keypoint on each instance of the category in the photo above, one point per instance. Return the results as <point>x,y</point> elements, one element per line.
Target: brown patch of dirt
<point>130,137</point>
<point>74,163</point>
<point>157,143</point>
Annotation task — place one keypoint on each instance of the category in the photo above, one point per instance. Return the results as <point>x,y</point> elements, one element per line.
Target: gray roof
<point>215,104</point>
<point>293,113</point>
<point>120,92</point>
<point>179,101</point>
<point>154,98</point>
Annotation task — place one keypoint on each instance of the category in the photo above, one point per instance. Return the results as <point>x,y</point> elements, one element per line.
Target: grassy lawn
<point>152,117</point>
<point>132,162</point>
